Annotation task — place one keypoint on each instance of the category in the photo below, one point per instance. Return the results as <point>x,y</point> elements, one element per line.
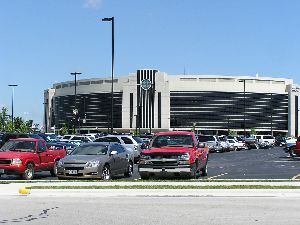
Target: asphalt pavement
<point>271,163</point>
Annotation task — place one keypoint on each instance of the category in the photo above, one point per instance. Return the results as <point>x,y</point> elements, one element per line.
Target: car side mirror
<point>201,145</point>
<point>113,152</point>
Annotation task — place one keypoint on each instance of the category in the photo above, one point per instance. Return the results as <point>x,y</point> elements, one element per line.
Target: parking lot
<point>271,163</point>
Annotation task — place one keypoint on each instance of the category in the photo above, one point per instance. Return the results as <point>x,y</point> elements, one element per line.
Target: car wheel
<point>204,170</point>
<point>129,170</point>
<point>144,177</point>
<point>106,175</point>
<point>29,172</point>
<point>53,171</point>
<point>292,153</point>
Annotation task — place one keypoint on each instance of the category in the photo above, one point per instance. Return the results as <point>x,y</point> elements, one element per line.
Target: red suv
<point>175,153</point>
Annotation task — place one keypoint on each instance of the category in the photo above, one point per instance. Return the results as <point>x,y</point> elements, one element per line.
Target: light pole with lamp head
<point>12,104</point>
<point>111,19</point>
<point>75,110</point>
<point>244,81</point>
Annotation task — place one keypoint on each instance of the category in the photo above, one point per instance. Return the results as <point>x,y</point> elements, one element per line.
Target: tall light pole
<point>244,81</point>
<point>12,104</point>
<point>75,110</point>
<point>111,19</point>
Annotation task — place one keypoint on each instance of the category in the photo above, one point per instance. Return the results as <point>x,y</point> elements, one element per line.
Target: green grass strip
<point>169,187</point>
<point>142,181</point>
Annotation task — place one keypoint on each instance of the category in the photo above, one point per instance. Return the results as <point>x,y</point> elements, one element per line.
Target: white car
<point>236,145</point>
<point>126,140</point>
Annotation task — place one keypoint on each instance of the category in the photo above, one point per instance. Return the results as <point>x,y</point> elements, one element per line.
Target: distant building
<point>150,100</point>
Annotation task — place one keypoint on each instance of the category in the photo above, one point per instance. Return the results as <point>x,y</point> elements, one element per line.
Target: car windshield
<point>173,141</point>
<point>138,140</point>
<point>205,138</point>
<point>90,150</point>
<point>21,146</point>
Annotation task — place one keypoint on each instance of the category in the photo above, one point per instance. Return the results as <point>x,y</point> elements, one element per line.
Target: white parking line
<point>222,174</point>
<point>295,177</point>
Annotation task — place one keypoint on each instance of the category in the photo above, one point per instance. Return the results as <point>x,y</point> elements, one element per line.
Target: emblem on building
<point>146,84</point>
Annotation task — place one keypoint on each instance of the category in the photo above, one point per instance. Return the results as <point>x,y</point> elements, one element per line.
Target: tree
<point>253,132</point>
<point>232,133</point>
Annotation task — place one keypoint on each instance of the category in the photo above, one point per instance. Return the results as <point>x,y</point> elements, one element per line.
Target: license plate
<point>1,170</point>
<point>72,171</point>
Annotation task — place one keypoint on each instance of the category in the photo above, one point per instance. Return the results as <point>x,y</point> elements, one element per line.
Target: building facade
<point>150,101</point>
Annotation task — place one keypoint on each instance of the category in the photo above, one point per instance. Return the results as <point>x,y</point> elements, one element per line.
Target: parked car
<point>280,141</point>
<point>212,142</point>
<point>294,151</point>
<point>25,156</point>
<point>97,161</point>
<point>237,145</point>
<point>265,138</point>
<point>126,140</point>
<point>224,144</point>
<point>175,153</point>
<point>80,138</point>
<point>251,143</point>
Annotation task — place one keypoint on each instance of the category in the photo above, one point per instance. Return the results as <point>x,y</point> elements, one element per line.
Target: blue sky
<point>42,41</point>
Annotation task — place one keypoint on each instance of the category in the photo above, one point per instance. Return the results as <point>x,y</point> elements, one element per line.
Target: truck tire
<point>204,170</point>
<point>144,177</point>
<point>193,174</point>
<point>53,171</point>
<point>29,172</point>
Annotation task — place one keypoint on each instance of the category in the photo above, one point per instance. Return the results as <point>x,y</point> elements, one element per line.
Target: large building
<point>150,101</point>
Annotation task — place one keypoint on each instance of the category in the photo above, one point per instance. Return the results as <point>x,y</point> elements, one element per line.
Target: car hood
<point>167,151</point>
<point>82,158</point>
<point>14,155</point>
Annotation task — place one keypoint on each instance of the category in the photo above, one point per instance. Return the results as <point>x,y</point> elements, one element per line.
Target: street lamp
<point>75,110</point>
<point>111,19</point>
<point>12,104</point>
<point>244,81</point>
<point>45,115</point>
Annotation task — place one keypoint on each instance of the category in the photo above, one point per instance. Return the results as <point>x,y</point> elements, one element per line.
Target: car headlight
<point>184,157</point>
<point>93,163</point>
<point>60,163</point>
<point>16,162</point>
<point>145,157</point>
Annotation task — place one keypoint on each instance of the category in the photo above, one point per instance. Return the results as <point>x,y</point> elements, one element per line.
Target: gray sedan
<point>96,160</point>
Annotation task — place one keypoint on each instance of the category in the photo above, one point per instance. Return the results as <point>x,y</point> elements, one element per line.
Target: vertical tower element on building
<point>145,99</point>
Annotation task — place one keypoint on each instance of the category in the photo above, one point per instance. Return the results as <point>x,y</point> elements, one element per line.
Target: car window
<point>127,140</point>
<point>202,138</point>
<point>119,148</point>
<point>173,141</point>
<point>113,139</point>
<point>87,149</point>
<point>41,146</point>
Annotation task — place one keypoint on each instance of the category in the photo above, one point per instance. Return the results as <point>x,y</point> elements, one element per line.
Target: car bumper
<point>85,173</point>
<point>165,171</point>
<point>12,169</point>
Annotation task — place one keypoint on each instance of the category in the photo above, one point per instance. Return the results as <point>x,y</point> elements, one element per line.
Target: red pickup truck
<point>24,156</point>
<point>176,153</point>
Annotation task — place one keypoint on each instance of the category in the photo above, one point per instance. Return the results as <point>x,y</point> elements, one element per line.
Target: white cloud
<point>92,4</point>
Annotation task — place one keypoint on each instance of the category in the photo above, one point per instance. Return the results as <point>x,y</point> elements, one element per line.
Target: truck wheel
<point>106,175</point>
<point>129,170</point>
<point>54,170</point>
<point>193,172</point>
<point>144,177</point>
<point>204,170</point>
<point>29,172</point>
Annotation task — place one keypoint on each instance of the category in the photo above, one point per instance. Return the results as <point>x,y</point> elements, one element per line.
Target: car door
<point>43,155</point>
<point>114,160</point>
<point>123,157</point>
